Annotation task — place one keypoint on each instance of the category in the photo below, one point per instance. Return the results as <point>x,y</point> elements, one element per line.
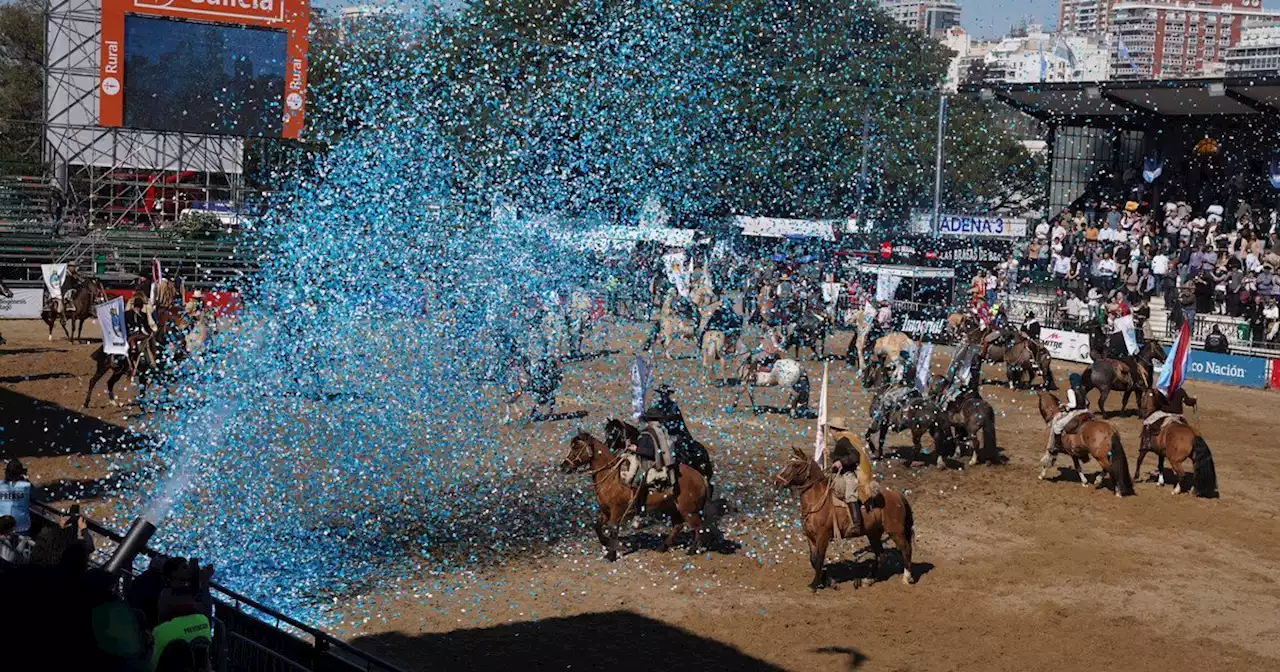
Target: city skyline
<point>989,19</point>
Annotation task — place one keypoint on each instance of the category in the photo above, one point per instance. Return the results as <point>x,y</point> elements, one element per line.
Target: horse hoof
<point>611,556</point>
<point>867,583</point>
<point>907,579</point>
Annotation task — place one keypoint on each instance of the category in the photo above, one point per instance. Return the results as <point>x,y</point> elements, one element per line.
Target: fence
<point>248,635</point>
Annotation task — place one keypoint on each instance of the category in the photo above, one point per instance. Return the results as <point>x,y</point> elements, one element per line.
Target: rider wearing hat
<point>1072,406</point>
<point>849,461</point>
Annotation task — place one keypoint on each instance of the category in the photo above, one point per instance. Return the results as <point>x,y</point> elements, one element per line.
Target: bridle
<point>806,487</point>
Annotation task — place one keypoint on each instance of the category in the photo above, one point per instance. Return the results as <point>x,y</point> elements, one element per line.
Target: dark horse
<point>684,504</point>
<point>8,294</point>
<point>165,347</point>
<point>973,421</point>
<point>1172,438</point>
<point>900,408</point>
<point>1108,373</point>
<point>617,434</point>
<point>79,303</point>
<point>823,520</point>
<point>810,330</point>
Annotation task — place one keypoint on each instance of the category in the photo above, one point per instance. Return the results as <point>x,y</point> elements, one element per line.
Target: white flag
<point>115,340</point>
<point>53,275</point>
<point>639,386</point>
<point>820,445</point>
<point>922,366</point>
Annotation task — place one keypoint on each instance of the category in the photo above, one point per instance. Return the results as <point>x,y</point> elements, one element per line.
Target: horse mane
<point>1048,405</point>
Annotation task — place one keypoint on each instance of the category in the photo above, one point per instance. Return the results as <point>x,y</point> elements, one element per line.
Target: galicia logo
<point>293,101</point>
<point>110,86</point>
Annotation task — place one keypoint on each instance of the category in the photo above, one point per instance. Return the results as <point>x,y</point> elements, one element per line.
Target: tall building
<point>1084,17</point>
<point>1034,56</point>
<point>927,16</point>
<point>1159,39</point>
<point>1257,54</point>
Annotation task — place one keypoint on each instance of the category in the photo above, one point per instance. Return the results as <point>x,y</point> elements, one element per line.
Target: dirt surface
<point>1014,573</point>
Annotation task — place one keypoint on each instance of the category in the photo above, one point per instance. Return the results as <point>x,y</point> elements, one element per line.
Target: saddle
<point>658,473</point>
<point>1073,424</point>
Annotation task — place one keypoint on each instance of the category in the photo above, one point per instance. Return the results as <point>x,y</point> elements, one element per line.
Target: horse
<point>721,329</point>
<point>671,326</point>
<point>822,520</point>
<point>8,294</point>
<point>784,373</point>
<point>684,504</point>
<point>619,433</point>
<point>810,330</point>
<point>1087,437</point>
<point>1108,374</point>
<point>166,346</point>
<point>1171,437</point>
<point>540,379</point>
<point>83,295</point>
<point>899,408</point>
<point>973,421</point>
<point>1022,357</point>
<point>959,323</point>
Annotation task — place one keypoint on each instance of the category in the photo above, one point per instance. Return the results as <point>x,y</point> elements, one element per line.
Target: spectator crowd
<point>1210,263</point>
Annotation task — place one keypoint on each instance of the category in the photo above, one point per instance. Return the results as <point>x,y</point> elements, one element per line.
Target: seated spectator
<point>144,592</point>
<point>15,496</point>
<point>183,635</point>
<point>15,549</point>
<point>1216,342</point>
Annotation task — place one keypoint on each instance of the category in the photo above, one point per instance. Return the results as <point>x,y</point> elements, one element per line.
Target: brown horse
<point>166,346</point>
<point>1021,358</point>
<point>823,520</point>
<point>973,421</point>
<point>684,504</point>
<point>1172,438</point>
<point>78,307</point>
<point>1108,374</point>
<point>1085,438</point>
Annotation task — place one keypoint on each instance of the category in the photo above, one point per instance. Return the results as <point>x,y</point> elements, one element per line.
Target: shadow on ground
<point>618,641</point>
<point>33,428</point>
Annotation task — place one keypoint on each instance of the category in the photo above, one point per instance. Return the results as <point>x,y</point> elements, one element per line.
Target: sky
<point>992,18</point>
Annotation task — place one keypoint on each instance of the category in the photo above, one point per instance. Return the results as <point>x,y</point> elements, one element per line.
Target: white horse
<point>785,373</point>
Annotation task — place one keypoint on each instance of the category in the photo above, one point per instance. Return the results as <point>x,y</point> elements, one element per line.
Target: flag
<point>1129,332</point>
<point>1174,371</point>
<point>1044,64</point>
<point>1274,173</point>
<point>53,275</point>
<point>1152,169</point>
<point>156,275</point>
<point>820,443</point>
<point>639,386</point>
<point>923,359</point>
<point>115,340</point>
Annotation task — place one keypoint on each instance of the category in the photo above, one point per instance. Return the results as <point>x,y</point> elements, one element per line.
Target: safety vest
<point>181,629</point>
<point>15,500</point>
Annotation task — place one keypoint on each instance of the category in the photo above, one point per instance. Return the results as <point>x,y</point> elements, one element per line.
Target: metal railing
<point>248,635</point>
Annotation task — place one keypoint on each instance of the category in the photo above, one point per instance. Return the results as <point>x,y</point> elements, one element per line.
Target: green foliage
<point>198,225</point>
<point>21,61</point>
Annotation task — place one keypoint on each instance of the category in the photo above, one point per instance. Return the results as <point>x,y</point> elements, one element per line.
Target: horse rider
<point>664,435</point>
<point>998,327</point>
<point>852,466</point>
<point>963,375</point>
<point>724,319</point>
<point>1117,310</point>
<point>1074,405</point>
<point>1031,327</point>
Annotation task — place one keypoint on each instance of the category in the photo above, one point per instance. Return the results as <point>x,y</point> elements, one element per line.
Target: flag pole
<point>820,443</point>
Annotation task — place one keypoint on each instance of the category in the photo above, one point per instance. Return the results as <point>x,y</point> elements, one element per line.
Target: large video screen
<point>200,78</point>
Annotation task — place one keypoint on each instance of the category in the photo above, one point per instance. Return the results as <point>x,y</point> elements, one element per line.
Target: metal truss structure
<point>119,176</point>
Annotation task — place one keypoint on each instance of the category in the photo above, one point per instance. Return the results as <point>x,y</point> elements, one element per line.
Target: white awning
<point>770,227</point>
<point>906,271</point>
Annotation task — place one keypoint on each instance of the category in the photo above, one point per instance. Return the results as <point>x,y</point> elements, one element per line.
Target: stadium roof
<point>1137,104</point>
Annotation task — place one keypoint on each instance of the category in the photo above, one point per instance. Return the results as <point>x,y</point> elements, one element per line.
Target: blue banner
<point>1228,369</point>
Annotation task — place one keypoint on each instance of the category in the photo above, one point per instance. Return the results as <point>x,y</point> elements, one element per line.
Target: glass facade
<point>1093,162</point>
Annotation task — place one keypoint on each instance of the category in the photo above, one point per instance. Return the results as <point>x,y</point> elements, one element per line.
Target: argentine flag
<point>1174,371</point>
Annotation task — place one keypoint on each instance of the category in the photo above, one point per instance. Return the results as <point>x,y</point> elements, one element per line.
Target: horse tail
<point>1119,467</point>
<point>1206,477</point>
<point>989,430</point>
<point>909,526</point>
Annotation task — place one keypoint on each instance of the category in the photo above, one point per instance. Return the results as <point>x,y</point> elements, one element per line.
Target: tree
<point>21,67</point>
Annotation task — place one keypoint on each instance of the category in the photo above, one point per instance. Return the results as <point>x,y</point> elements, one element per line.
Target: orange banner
<point>291,16</point>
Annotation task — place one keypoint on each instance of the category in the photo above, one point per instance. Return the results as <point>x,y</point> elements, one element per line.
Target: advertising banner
<point>1071,346</point>
<point>25,304</point>
<point>982,226</point>
<point>1228,369</point>
<point>1275,374</point>
<point>111,322</point>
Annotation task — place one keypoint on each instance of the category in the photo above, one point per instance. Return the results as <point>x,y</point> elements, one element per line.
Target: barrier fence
<point>248,635</point>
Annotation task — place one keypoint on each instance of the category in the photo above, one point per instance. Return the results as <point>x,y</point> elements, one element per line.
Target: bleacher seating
<point>25,199</point>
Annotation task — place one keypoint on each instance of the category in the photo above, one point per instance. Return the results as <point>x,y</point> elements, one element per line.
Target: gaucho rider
<point>661,439</point>
<point>964,375</point>
<point>855,481</point>
<point>1073,406</point>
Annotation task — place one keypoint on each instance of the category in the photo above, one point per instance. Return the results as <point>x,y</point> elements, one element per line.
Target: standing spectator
<point>15,496</point>
<point>1042,231</point>
<point>1059,232</point>
<point>1107,270</point>
<point>1217,342</point>
<point>1160,274</point>
<point>979,286</point>
<point>1075,271</point>
<point>1061,267</point>
<point>1234,287</point>
<point>993,284</point>
<point>1184,262</point>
